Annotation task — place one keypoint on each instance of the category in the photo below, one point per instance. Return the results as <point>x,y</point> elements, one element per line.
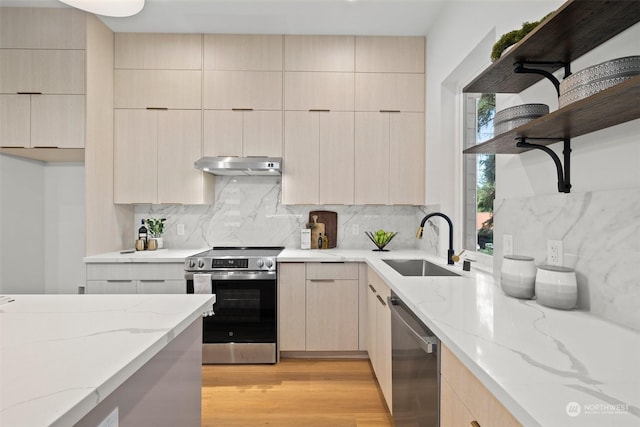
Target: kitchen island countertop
<point>62,355</point>
<point>540,363</point>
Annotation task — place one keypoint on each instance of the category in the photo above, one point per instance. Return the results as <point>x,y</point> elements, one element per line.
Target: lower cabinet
<point>132,278</point>
<point>379,332</point>
<point>464,401</point>
<point>319,307</point>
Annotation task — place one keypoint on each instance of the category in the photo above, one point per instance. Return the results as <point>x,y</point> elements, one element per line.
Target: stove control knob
<point>268,262</point>
<point>200,263</point>
<point>259,262</point>
<point>192,263</point>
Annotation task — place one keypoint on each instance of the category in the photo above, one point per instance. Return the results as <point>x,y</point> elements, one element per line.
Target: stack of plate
<point>511,118</point>
<point>597,78</point>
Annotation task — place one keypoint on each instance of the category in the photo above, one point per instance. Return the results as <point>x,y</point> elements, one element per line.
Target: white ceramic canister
<point>556,287</point>
<point>518,276</point>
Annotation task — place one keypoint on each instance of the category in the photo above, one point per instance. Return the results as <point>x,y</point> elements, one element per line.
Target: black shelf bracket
<point>521,68</point>
<point>564,174</point>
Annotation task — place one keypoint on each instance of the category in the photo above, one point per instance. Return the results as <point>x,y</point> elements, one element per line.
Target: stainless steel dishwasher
<point>415,369</point>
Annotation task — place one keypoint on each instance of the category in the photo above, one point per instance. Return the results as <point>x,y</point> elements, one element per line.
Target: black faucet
<point>424,220</point>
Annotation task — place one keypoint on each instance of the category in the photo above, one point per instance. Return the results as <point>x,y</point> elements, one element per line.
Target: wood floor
<point>294,392</point>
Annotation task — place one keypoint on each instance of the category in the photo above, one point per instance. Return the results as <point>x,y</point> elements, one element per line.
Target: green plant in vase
<point>156,228</point>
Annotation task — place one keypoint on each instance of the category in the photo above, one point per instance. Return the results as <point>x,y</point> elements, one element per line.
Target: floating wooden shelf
<point>613,106</point>
<point>577,27</point>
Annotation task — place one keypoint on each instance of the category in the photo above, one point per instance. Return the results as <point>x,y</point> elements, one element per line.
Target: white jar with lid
<point>556,287</point>
<point>518,276</point>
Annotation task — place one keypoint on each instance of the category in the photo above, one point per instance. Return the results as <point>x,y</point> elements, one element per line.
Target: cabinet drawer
<point>482,405</point>
<point>135,271</point>
<point>332,271</point>
<point>111,287</point>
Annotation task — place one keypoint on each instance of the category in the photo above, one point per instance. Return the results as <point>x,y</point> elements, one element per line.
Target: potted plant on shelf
<point>156,228</point>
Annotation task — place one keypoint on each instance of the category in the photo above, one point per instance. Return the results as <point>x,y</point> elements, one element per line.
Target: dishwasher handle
<point>429,344</point>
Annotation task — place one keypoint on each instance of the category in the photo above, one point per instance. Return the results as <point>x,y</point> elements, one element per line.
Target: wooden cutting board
<point>330,221</point>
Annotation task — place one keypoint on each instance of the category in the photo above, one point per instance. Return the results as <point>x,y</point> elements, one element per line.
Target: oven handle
<point>234,275</point>
<point>428,344</point>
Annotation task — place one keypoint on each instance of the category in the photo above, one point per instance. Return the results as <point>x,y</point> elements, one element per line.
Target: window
<point>479,174</point>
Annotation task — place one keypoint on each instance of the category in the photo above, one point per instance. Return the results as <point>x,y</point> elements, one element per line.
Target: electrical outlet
<point>180,229</point>
<point>355,229</point>
<point>555,252</point>
<point>507,244</point>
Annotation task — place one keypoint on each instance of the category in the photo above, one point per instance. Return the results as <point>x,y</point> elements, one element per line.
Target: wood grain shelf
<point>613,106</point>
<point>577,27</point>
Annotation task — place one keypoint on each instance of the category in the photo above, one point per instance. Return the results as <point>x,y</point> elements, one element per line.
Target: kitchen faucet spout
<point>420,229</point>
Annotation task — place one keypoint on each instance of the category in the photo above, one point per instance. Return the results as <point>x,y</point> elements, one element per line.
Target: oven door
<point>244,312</point>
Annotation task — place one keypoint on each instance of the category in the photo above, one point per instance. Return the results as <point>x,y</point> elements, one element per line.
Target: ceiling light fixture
<point>114,8</point>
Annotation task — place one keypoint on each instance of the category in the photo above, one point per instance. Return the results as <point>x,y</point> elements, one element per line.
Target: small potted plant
<point>156,228</point>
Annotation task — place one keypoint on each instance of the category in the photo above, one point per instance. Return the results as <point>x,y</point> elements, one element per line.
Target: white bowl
<point>518,276</point>
<point>556,287</point>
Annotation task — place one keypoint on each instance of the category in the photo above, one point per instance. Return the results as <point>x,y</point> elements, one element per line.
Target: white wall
<point>21,226</point>
<point>42,226</point>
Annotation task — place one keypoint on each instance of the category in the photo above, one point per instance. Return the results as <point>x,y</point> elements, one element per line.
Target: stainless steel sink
<point>418,267</point>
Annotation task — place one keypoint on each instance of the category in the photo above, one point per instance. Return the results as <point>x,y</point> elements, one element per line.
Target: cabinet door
<point>383,324</point>
<point>291,307</point>
<point>453,413</point>
<point>246,52</point>
<point>406,159</point>
<point>158,51</point>
<point>380,54</point>
<point>161,287</point>
<point>179,145</point>
<point>300,178</point>
<point>57,121</point>
<point>259,90</point>
<point>111,287</point>
<point>318,53</point>
<point>42,28</point>
<point>372,158</point>
<point>372,324</point>
<point>135,156</point>
<point>305,91</point>
<point>15,119</point>
<point>336,158</point>
<point>332,315</point>
<point>44,71</point>
<point>389,91</point>
<point>262,133</point>
<point>174,89</point>
<point>222,133</point>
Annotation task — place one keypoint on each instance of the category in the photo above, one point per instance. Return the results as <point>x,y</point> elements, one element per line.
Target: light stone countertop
<point>537,361</point>
<point>159,255</point>
<point>61,355</point>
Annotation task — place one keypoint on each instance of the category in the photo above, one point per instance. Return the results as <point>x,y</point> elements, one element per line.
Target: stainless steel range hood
<point>266,166</point>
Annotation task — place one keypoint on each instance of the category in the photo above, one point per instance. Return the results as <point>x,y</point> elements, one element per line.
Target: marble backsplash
<point>600,232</point>
<point>248,211</point>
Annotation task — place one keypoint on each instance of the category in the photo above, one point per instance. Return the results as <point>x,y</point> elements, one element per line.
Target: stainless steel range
<point>243,325</point>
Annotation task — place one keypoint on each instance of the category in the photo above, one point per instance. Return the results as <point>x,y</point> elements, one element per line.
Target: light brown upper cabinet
<point>319,53</point>
<point>306,91</point>
<point>154,155</point>
<point>152,51</point>
<point>173,89</point>
<point>318,158</point>
<point>389,158</point>
<point>42,28</point>
<point>242,95</point>
<point>42,78</point>
<point>376,54</point>
<point>242,133</point>
<point>242,52</point>
<point>389,91</point>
